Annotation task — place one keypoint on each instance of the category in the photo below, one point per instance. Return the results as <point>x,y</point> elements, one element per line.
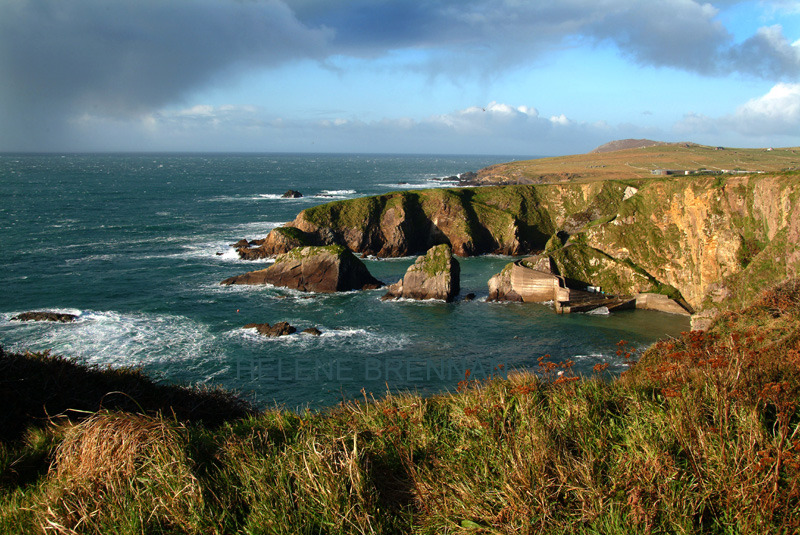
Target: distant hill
<point>635,159</point>
<point>622,144</point>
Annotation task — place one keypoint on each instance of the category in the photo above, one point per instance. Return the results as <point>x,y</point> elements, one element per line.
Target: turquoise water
<point>132,244</point>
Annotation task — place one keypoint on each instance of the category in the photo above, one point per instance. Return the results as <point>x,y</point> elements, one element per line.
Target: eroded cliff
<point>473,221</point>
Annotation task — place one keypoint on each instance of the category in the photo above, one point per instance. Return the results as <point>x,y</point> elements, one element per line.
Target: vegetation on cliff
<point>702,435</point>
<point>471,221</point>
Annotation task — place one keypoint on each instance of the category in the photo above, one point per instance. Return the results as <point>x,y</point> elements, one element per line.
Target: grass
<point>437,260</point>
<point>701,435</point>
<point>118,472</point>
<point>638,163</point>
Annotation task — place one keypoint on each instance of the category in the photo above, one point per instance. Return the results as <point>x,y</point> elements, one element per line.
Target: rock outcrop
<point>436,275</point>
<point>279,240</point>
<point>536,280</point>
<point>313,269</point>
<point>661,303</point>
<point>500,288</point>
<point>292,194</point>
<point>281,328</point>
<point>58,317</point>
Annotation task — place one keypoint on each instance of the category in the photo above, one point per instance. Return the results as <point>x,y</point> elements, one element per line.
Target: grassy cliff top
<point>634,163</point>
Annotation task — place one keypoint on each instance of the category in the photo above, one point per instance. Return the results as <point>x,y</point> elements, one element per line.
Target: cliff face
<point>475,221</point>
<point>706,238</point>
<point>701,235</point>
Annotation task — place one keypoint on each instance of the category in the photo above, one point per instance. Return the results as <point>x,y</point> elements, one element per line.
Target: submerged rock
<point>436,275</point>
<point>313,331</point>
<point>281,328</point>
<point>313,269</point>
<point>58,317</point>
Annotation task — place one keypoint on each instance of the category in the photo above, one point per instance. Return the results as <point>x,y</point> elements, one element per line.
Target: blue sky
<point>509,77</point>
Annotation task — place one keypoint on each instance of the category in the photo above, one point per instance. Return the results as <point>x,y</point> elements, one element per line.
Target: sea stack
<point>328,269</point>
<point>436,275</point>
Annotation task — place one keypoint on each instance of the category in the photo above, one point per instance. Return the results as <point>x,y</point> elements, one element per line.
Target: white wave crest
<point>335,194</point>
<point>113,338</point>
<point>428,184</point>
<point>355,339</point>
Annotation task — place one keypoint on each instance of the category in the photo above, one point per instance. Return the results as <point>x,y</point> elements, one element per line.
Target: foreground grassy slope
<point>639,162</point>
<point>702,435</point>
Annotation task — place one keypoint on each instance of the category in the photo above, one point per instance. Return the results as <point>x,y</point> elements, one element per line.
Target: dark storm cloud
<point>681,34</point>
<point>59,58</point>
<point>768,54</point>
<point>63,59</point>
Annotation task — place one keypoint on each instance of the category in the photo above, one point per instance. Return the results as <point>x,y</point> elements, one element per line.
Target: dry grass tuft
<point>117,470</point>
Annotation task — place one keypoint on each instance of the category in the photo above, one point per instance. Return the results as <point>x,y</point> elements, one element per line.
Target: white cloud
<point>789,6</point>
<point>59,59</point>
<point>777,113</point>
<point>203,110</point>
<point>496,128</point>
<point>560,120</point>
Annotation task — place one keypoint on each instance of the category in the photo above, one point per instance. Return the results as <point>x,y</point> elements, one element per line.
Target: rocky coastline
<point>704,242</point>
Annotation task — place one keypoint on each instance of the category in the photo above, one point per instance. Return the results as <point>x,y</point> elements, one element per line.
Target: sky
<point>515,77</point>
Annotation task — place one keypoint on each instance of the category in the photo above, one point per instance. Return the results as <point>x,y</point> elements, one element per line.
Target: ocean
<point>136,245</point>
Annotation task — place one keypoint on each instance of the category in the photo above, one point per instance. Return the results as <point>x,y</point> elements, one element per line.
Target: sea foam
<point>116,339</point>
